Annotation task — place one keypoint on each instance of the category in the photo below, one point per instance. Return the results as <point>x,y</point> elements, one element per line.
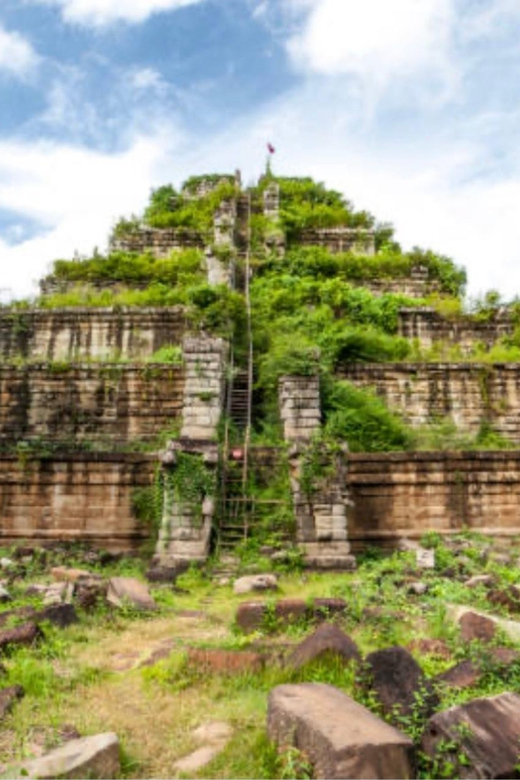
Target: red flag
<point>271,148</point>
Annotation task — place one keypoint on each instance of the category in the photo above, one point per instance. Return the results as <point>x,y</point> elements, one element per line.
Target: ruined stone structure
<point>428,327</point>
<point>65,384</point>
<point>272,201</point>
<point>467,393</point>
<point>206,185</point>
<point>403,494</point>
<point>112,404</point>
<point>88,333</point>
<point>340,239</point>
<point>159,241</point>
<point>184,535</point>
<point>75,497</point>
<point>320,500</point>
<point>418,284</point>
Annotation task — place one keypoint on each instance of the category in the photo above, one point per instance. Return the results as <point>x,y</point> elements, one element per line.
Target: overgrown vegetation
<point>182,268</point>
<point>310,311</point>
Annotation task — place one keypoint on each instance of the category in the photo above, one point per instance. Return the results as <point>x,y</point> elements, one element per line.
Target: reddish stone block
<point>225,661</point>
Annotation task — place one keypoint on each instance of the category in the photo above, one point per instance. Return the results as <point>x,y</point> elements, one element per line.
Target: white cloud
<point>75,195</point>
<point>16,54</point>
<point>100,13</point>
<point>345,36</point>
<point>376,40</point>
<point>147,80</point>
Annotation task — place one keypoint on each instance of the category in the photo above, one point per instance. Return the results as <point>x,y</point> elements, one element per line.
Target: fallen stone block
<point>255,582</point>
<point>399,682</point>
<point>417,588</point>
<point>197,760</point>
<point>93,757</point>
<point>474,626</point>
<point>216,734</point>
<point>463,675</point>
<point>291,610</point>
<point>158,573</point>
<point>508,597</point>
<point>250,616</point>
<point>484,733</point>
<point>124,591</point>
<point>328,639</point>
<point>467,673</point>
<point>327,608</point>
<point>26,634</point>
<point>426,646</point>
<point>340,738</point>
<point>55,594</point>
<point>60,615</point>
<point>425,558</point>
<point>88,593</point>
<point>5,595</point>
<point>225,661</point>
<point>213,732</point>
<point>8,696</point>
<point>455,612</point>
<point>65,574</point>
<point>481,579</point>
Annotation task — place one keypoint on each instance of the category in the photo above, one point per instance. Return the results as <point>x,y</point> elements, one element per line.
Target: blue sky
<point>410,107</point>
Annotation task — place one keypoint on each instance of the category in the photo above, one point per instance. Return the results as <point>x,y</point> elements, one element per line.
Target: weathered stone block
<point>340,738</point>
<point>485,733</point>
<point>328,639</point>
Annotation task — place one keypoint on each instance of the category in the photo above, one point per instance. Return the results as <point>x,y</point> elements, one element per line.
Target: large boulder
<point>399,682</point>
<point>127,591</point>
<point>328,639</point>
<point>94,757</point>
<point>479,739</point>
<point>340,738</point>
<point>255,582</point>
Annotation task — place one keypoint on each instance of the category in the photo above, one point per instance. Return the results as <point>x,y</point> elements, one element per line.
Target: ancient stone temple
<point>118,419</point>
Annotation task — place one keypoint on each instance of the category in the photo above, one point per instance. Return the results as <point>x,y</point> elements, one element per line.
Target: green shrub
<point>361,418</point>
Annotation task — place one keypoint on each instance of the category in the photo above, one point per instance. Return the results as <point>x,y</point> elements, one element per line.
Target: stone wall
<point>320,507</point>
<point>399,495</point>
<point>184,535</point>
<point>417,285</point>
<point>340,239</point>
<point>85,498</point>
<point>467,393</point>
<point>428,326</point>
<point>300,406</point>
<point>159,241</point>
<point>113,403</point>
<point>89,333</point>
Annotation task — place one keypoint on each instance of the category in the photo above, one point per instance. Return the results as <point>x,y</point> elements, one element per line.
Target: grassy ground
<point>99,675</point>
